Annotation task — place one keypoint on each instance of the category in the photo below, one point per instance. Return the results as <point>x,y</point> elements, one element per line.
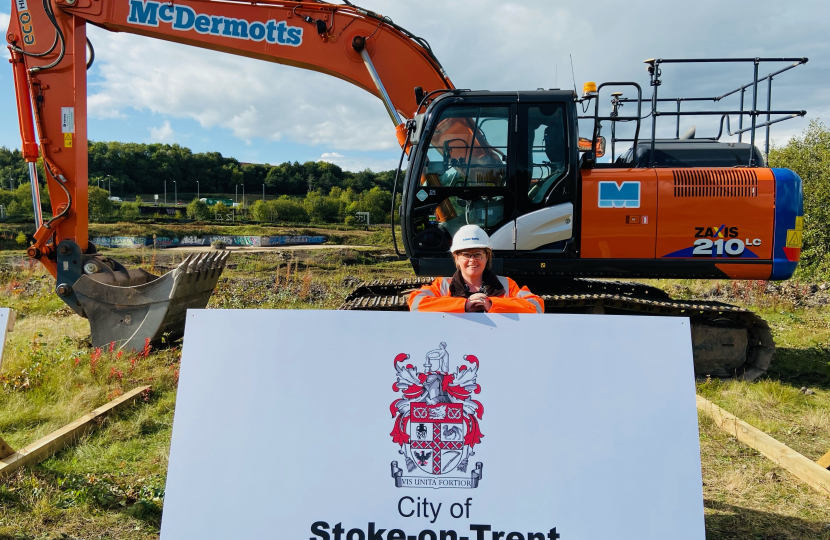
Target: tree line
<point>311,191</point>
<point>135,168</point>
<point>323,192</point>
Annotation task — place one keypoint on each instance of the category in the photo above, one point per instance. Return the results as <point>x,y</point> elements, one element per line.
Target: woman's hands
<point>478,303</point>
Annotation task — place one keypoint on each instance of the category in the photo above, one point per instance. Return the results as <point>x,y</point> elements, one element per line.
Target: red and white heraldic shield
<point>436,422</point>
<point>436,435</point>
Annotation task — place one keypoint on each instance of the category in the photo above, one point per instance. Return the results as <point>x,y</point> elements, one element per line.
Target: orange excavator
<point>511,162</point>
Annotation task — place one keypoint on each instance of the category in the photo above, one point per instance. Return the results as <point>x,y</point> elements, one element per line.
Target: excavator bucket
<point>128,307</point>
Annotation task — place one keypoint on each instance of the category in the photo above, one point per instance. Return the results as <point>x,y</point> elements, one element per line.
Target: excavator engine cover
<point>128,307</point>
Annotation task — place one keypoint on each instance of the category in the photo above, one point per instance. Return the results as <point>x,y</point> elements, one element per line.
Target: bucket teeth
<point>191,266</point>
<point>202,263</point>
<point>185,262</point>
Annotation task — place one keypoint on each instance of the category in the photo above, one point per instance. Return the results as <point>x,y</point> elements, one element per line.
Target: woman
<point>474,287</point>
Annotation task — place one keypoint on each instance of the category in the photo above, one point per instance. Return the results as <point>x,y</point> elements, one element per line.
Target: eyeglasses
<point>480,256</point>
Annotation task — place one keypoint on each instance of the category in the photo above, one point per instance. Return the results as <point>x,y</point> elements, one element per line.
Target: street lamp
<point>243,195</point>
<point>175,193</point>
<point>165,192</point>
<point>263,192</point>
<point>197,190</point>
<point>109,189</point>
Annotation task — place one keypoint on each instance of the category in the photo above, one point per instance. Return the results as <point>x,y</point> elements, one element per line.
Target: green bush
<point>282,209</point>
<point>375,201</point>
<point>220,209</point>
<point>286,209</point>
<point>259,211</point>
<point>321,208</point>
<point>21,239</point>
<point>100,205</point>
<point>129,211</point>
<point>199,210</point>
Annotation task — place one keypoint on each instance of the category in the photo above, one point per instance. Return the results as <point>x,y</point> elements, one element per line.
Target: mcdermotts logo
<point>436,422</point>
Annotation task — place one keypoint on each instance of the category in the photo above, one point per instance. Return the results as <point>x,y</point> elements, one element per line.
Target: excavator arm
<point>50,56</point>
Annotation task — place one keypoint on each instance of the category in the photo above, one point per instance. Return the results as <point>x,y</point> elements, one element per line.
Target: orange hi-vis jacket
<point>436,297</point>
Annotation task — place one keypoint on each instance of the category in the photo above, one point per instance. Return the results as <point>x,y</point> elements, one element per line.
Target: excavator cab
<point>505,161</point>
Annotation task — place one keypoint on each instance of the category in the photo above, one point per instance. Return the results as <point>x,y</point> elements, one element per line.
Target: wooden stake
<point>809,471</point>
<point>48,445</point>
<point>824,461</point>
<point>5,449</point>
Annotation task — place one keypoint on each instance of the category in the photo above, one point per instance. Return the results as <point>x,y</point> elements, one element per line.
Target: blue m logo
<point>625,195</point>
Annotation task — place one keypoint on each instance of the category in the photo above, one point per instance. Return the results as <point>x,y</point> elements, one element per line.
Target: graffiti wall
<point>291,240</point>
<point>122,241</point>
<point>188,241</point>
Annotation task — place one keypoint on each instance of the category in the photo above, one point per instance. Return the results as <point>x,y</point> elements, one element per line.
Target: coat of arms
<point>436,422</point>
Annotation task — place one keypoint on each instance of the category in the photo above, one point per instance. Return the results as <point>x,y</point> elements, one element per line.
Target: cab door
<point>466,177</point>
<point>545,178</point>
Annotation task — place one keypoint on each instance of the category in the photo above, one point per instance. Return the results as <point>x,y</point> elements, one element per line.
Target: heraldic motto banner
<point>344,425</point>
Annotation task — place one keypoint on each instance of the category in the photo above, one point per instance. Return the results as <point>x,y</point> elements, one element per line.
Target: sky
<point>144,90</point>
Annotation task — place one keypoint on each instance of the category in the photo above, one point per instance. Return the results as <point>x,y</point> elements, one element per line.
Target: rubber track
<point>613,297</point>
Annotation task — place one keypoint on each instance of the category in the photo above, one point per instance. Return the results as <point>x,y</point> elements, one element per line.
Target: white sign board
<point>344,425</point>
<point>7,317</point>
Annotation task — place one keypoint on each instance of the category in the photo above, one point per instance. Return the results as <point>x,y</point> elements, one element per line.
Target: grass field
<point>111,484</point>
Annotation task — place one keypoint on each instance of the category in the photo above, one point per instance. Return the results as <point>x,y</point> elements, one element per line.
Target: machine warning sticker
<point>67,140</point>
<point>613,195</point>
<point>794,236</point>
<point>421,195</point>
<point>68,119</point>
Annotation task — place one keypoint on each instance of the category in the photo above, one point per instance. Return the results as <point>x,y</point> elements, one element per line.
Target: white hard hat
<point>470,237</point>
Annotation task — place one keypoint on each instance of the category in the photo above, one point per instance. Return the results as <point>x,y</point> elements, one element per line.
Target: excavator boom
<point>129,306</point>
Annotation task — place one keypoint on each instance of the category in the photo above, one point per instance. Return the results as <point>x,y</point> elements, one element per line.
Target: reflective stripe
<point>535,302</point>
<point>445,287</point>
<point>418,297</point>
<point>522,294</point>
<point>505,285</point>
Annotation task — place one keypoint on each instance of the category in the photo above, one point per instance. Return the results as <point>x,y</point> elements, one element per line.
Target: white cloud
<point>492,44</point>
<point>250,98</point>
<point>162,133</point>
<point>5,18</point>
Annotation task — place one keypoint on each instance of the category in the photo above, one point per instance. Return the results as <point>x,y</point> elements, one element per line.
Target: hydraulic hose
<point>36,55</point>
<point>47,6</point>
<point>409,126</point>
<point>91,54</point>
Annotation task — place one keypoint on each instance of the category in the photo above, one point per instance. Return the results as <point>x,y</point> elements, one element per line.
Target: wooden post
<point>5,449</point>
<point>48,445</point>
<point>809,471</point>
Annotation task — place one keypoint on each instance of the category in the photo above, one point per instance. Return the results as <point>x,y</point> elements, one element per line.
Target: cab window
<point>468,148</point>
<point>547,148</point>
